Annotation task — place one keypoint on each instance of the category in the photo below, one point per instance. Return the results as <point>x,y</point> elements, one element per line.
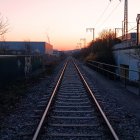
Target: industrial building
<point>25,47</point>
<point>22,57</point>
<point>127,55</point>
<point>131,39</point>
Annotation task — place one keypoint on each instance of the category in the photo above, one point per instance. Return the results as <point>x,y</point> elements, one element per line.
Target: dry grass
<point>12,94</point>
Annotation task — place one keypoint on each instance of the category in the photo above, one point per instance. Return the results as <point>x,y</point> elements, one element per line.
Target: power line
<point>132,28</point>
<point>130,24</point>
<point>102,14</point>
<point>110,14</point>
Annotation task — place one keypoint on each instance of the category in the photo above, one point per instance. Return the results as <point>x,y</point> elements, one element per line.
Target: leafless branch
<point>3,25</point>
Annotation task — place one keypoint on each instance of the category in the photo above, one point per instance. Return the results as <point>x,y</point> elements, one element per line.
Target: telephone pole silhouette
<point>91,30</point>
<point>138,28</point>
<point>125,26</point>
<point>84,40</point>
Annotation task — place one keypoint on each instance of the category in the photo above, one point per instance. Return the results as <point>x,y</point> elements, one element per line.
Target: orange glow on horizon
<point>64,21</point>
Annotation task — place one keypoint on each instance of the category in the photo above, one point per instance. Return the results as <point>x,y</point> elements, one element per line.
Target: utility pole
<point>125,21</point>
<point>79,45</point>
<point>91,30</point>
<point>84,40</point>
<point>116,31</point>
<point>138,28</point>
<point>122,31</point>
<point>125,26</point>
<point>138,43</point>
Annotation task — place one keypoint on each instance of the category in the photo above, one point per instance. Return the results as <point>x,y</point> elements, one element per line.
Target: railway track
<point>73,111</point>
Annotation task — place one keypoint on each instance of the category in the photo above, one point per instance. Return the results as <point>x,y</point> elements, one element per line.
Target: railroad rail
<point>73,111</point>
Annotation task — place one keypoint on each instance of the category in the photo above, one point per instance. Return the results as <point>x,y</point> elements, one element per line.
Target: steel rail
<point>36,134</point>
<point>97,104</point>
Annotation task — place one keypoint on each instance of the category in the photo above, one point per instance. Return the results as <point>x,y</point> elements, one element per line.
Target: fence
<point>117,72</point>
<point>17,66</point>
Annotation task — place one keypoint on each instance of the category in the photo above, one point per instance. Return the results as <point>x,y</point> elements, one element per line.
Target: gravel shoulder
<point>116,89</point>
<point>125,106</point>
<point>21,119</point>
<point>121,106</point>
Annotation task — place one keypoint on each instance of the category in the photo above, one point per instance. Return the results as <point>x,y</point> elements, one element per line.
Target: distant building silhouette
<point>25,47</point>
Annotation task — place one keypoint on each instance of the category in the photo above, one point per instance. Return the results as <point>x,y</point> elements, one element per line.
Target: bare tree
<point>3,25</point>
<point>3,46</point>
<point>107,35</point>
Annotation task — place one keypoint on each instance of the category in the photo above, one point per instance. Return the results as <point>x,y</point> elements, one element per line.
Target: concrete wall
<point>127,57</point>
<point>12,67</point>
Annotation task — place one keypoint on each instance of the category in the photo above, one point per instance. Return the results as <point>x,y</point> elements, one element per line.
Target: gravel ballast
<point>121,106</point>
<point>23,118</point>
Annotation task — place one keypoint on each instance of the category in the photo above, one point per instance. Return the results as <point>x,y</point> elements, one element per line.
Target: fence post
<point>139,82</point>
<point>139,77</point>
<point>125,78</point>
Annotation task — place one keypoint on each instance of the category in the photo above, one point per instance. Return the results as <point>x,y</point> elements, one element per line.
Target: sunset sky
<point>64,21</point>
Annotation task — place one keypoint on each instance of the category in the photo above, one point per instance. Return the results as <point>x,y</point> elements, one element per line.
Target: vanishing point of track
<point>73,111</point>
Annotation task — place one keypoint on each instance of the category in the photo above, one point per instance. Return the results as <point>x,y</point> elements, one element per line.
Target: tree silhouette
<point>3,25</point>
